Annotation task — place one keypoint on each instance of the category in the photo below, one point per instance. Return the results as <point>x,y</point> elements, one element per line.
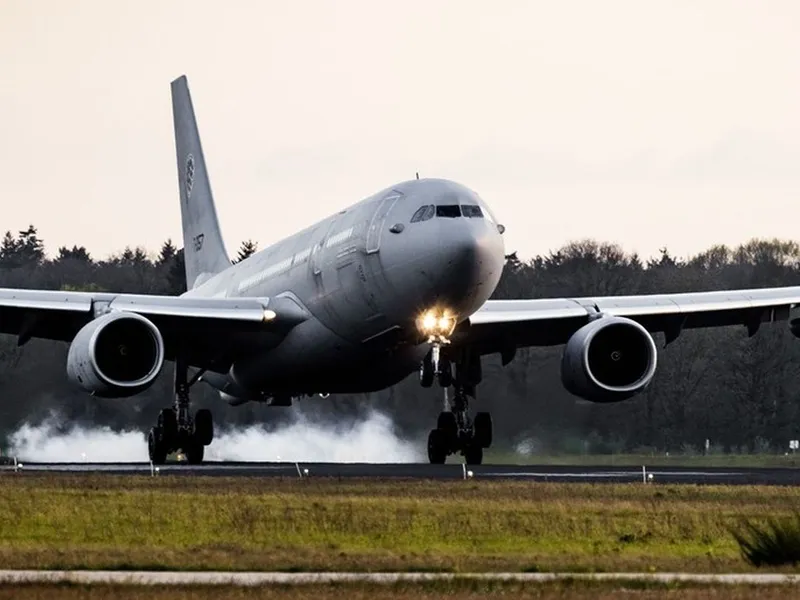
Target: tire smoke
<point>371,439</point>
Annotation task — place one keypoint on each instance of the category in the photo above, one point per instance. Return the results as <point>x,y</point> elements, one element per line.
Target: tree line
<point>741,394</point>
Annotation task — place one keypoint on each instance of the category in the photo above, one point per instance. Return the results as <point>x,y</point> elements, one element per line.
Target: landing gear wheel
<point>448,426</point>
<point>437,447</point>
<point>168,427</point>
<point>455,431</point>
<point>445,374</point>
<point>426,373</point>
<point>203,427</point>
<point>155,447</point>
<point>483,430</point>
<point>176,429</point>
<point>473,454</point>
<point>194,452</point>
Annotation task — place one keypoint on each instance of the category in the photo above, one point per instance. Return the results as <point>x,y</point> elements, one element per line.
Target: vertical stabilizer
<point>203,248</point>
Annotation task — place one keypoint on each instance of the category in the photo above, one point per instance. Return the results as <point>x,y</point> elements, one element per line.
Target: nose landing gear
<point>433,365</point>
<point>176,429</point>
<point>455,430</point>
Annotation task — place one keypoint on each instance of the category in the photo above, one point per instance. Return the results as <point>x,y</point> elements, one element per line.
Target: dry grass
<point>455,590</point>
<point>134,522</point>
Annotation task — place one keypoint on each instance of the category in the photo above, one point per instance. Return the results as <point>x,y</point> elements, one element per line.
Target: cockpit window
<point>448,210</point>
<point>423,213</point>
<point>471,210</point>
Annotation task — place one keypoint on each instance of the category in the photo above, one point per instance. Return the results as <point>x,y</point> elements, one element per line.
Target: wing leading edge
<point>199,324</point>
<point>500,323</point>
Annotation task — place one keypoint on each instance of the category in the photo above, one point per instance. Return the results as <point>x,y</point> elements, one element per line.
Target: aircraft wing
<point>201,326</point>
<point>507,324</point>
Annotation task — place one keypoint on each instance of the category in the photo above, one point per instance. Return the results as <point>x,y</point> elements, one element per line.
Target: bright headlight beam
<point>436,322</point>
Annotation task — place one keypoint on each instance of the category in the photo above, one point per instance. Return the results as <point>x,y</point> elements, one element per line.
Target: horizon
<point>51,253</point>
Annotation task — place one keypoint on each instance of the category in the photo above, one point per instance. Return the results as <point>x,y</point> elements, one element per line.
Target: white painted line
<point>609,474</point>
<point>263,578</point>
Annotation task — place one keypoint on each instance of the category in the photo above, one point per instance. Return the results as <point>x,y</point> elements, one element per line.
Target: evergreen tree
<point>31,248</point>
<point>167,254</point>
<point>248,248</point>
<point>27,250</point>
<point>9,251</point>
<point>78,253</point>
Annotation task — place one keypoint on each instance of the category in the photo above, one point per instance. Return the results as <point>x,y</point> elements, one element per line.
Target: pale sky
<point>645,123</point>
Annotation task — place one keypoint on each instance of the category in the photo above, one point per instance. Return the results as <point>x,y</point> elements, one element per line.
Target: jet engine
<point>116,355</point>
<point>609,360</point>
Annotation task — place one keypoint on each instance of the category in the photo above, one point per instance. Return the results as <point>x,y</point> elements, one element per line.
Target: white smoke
<point>370,440</point>
<point>49,442</point>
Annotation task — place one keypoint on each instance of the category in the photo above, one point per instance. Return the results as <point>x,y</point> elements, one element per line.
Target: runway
<point>563,474</point>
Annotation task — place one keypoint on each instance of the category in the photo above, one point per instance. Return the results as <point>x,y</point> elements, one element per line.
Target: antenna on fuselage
<point>417,174</point>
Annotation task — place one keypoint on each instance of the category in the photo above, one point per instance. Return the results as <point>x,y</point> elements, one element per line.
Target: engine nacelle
<point>609,360</point>
<point>116,355</point>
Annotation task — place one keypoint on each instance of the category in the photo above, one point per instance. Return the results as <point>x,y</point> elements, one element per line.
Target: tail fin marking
<point>203,248</point>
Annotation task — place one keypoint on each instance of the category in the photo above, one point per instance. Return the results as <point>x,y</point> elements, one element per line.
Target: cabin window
<point>470,210</point>
<point>450,211</point>
<point>423,213</point>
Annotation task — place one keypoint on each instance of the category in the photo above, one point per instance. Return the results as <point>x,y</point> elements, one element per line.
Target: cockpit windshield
<point>423,213</point>
<point>471,210</point>
<point>447,211</point>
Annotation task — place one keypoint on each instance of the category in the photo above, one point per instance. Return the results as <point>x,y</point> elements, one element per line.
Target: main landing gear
<point>455,430</point>
<point>176,429</point>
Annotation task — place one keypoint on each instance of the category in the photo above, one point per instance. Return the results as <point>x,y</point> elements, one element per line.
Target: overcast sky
<point>645,123</point>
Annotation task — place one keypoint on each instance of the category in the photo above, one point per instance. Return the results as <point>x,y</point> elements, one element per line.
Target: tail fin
<point>203,248</point>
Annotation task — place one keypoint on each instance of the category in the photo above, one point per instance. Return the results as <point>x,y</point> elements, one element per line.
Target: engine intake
<point>609,360</point>
<point>116,355</point>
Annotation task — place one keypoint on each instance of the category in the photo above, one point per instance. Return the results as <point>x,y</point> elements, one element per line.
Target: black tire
<point>446,375</point>
<point>473,455</point>
<point>168,427</point>
<point>155,447</point>
<point>426,374</point>
<point>483,430</point>
<point>194,452</point>
<point>447,423</point>
<point>437,447</point>
<point>203,427</point>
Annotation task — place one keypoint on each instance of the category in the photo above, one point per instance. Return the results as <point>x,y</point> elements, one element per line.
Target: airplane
<point>396,283</point>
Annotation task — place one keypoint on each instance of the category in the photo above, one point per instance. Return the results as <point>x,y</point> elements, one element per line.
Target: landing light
<point>269,315</point>
<point>435,323</point>
<point>429,322</point>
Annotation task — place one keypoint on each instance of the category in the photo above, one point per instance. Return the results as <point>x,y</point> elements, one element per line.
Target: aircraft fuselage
<point>364,276</point>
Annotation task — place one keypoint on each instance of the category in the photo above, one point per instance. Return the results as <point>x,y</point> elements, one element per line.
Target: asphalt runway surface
<point>562,474</point>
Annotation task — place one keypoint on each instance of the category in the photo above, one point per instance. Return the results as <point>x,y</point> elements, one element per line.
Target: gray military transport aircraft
<point>398,282</point>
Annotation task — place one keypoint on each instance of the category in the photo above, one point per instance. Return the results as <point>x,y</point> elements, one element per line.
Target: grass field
<point>96,521</point>
<point>455,590</point>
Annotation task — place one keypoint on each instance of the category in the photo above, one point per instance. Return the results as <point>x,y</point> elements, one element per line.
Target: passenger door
<point>376,225</point>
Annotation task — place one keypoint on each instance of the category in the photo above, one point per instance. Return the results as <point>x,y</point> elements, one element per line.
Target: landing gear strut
<point>176,429</point>
<point>455,430</point>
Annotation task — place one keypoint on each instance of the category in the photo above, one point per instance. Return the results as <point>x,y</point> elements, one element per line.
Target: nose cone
<point>471,258</point>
